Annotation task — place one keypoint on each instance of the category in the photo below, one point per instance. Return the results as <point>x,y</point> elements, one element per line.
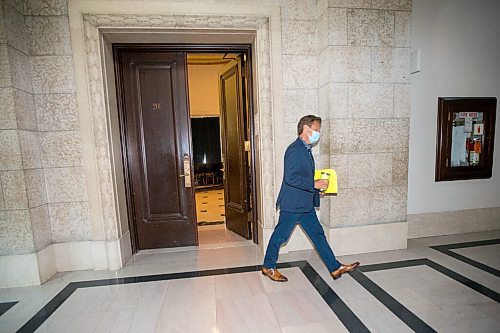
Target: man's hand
<point>322,194</point>
<point>321,184</point>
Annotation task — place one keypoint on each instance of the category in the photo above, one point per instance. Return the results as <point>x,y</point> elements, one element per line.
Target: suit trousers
<point>310,223</point>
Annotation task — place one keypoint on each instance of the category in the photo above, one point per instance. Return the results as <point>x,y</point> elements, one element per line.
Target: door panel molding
<point>232,105</point>
<point>155,116</point>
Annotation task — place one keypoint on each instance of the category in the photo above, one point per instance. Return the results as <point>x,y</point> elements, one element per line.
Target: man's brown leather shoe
<point>274,275</point>
<point>344,269</point>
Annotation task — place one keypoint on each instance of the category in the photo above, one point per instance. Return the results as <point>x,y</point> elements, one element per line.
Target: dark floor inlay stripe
<point>465,281</point>
<point>408,317</point>
<point>345,315</point>
<point>4,307</point>
<point>447,249</point>
<point>343,312</point>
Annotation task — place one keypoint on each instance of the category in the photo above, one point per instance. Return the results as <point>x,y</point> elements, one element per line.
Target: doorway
<point>221,146</point>
<point>171,155</point>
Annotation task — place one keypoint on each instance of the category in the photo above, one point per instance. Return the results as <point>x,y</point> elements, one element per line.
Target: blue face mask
<point>314,137</point>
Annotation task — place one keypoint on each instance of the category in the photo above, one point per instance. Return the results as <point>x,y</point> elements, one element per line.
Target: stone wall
<point>346,60</point>
<point>42,192</point>
<point>364,87</point>
<point>58,121</point>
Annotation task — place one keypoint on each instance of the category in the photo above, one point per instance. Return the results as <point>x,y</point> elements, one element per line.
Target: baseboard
<point>345,241</point>
<point>19,271</point>
<point>98,255</point>
<point>46,263</point>
<point>453,222</point>
<point>36,268</point>
<point>369,238</point>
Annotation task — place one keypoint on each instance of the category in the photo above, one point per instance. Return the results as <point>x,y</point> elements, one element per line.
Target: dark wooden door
<point>158,149</point>
<point>236,195</point>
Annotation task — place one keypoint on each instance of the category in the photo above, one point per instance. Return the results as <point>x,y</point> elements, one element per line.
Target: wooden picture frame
<point>465,138</point>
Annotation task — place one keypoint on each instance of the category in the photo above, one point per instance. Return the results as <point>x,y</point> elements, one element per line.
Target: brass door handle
<point>187,171</point>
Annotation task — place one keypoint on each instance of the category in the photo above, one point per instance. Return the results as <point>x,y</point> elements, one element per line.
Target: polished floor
<point>438,284</point>
<point>219,236</point>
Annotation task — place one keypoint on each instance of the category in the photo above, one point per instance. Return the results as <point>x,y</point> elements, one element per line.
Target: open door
<point>236,192</point>
<point>157,147</point>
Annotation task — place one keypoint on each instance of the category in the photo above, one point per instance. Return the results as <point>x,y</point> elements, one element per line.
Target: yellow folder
<point>331,175</point>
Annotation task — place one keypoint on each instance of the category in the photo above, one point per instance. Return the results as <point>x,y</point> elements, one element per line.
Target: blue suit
<point>297,194</point>
<point>297,199</point>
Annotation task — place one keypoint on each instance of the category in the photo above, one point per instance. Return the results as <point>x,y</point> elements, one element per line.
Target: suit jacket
<point>297,193</point>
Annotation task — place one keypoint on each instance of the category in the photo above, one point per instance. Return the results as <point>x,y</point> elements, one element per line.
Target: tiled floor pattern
<point>210,206</point>
<point>248,302</point>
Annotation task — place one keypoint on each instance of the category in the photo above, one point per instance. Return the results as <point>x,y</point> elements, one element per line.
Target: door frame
<point>188,48</point>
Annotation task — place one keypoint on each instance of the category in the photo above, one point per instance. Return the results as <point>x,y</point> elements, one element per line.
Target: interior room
<point>204,71</point>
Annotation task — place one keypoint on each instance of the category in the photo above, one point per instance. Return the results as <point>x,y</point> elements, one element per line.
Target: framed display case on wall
<point>465,138</point>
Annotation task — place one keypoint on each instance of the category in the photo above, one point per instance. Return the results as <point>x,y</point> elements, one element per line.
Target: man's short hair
<point>306,120</point>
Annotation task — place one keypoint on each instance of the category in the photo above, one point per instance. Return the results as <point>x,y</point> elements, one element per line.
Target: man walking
<point>298,197</point>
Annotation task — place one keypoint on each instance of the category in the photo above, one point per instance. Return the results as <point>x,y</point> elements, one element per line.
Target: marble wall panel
<point>369,170</point>
<point>332,28</point>
<point>391,65</point>
<point>370,27</point>
<point>341,165</point>
<point>370,100</point>
<point>25,110</point>
<point>20,69</point>
<point>324,143</point>
<point>341,136</point>
<point>49,35</point>
<point>53,74</point>
<point>15,28</point>
<point>7,113</point>
<point>350,3</point>
<point>299,37</point>
<point>5,77</point>
<point>61,149</point>
<point>379,135</point>
<point>70,222</point>
<point>400,168</point>
<point>10,151</point>
<point>17,4</point>
<point>46,7</point>
<point>65,184</point>
<point>392,4</point>
<point>351,207</point>
<point>3,32</point>
<point>360,170</point>
<point>35,185</point>
<point>56,112</point>
<point>389,204</point>
<point>14,189</point>
<point>15,232</point>
<point>349,64</point>
<point>40,225</point>
<point>323,66</point>
<point>298,103</point>
<point>300,72</point>
<point>299,10</point>
<point>382,169</point>
<point>402,29</point>
<point>402,100</point>
<point>30,149</point>
<point>2,206</point>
